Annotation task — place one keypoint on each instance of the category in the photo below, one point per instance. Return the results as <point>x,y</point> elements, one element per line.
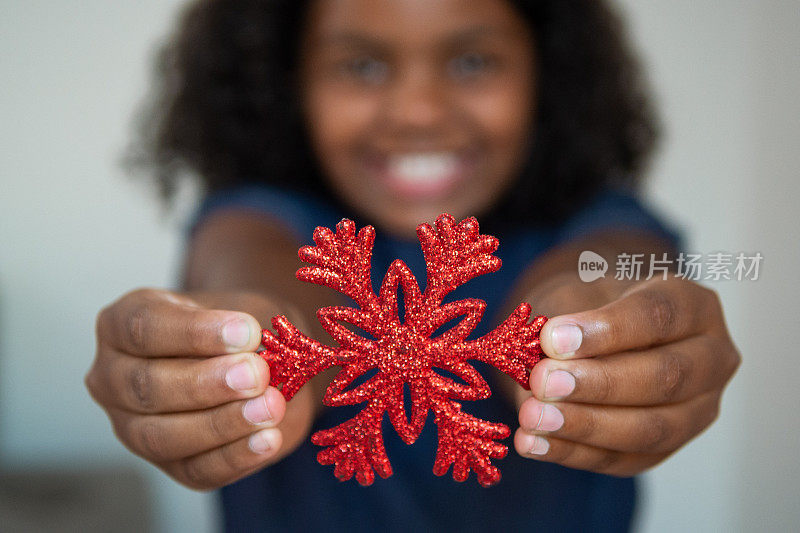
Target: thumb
<point>158,323</point>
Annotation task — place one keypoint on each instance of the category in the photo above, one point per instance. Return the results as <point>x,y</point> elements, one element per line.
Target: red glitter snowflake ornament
<point>403,351</point>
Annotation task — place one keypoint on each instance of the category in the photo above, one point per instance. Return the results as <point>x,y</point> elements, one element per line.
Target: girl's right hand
<point>184,389</point>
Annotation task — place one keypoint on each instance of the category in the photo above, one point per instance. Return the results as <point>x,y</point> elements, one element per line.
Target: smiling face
<point>416,108</point>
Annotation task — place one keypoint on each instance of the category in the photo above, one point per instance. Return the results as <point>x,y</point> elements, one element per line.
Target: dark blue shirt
<point>298,494</point>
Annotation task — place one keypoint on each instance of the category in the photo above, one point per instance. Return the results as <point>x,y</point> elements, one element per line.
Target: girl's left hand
<point>628,383</point>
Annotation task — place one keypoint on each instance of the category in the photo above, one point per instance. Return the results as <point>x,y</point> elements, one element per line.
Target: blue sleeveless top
<point>299,494</point>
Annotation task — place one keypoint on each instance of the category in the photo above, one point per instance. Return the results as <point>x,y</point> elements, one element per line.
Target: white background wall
<point>75,233</point>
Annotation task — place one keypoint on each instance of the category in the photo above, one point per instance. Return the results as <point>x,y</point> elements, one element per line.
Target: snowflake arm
<point>294,358</point>
<point>356,447</point>
<point>512,347</point>
<point>455,253</point>
<point>467,443</point>
<point>342,261</point>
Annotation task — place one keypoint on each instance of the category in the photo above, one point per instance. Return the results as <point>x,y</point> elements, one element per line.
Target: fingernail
<point>566,339</point>
<point>241,376</point>
<point>558,384</point>
<point>262,441</point>
<point>236,334</point>
<point>550,418</point>
<point>256,410</point>
<point>540,446</point>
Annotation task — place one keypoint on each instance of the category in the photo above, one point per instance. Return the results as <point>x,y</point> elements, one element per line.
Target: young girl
<point>526,114</point>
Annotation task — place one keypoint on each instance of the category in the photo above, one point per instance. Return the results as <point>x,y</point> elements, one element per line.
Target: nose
<point>417,102</point>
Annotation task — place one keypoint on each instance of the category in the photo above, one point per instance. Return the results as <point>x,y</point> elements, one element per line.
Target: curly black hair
<point>225,106</point>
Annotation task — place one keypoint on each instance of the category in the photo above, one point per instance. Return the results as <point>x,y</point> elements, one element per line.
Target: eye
<point>366,69</point>
<point>471,65</point>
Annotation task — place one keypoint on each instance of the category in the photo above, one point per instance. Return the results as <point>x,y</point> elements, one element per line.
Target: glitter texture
<point>404,351</point>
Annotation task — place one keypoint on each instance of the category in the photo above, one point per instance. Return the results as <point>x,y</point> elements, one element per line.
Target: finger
<point>652,313</point>
<point>665,374</point>
<point>583,457</point>
<point>626,429</point>
<point>169,437</point>
<point>169,385</point>
<point>228,463</point>
<point>154,323</point>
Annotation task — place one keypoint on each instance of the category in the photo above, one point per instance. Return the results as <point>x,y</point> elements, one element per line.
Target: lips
<point>422,175</point>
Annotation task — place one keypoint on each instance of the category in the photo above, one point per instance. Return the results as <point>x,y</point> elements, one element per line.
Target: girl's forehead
<point>408,21</point>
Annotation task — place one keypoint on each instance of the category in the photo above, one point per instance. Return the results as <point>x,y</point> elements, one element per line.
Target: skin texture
<point>171,368</point>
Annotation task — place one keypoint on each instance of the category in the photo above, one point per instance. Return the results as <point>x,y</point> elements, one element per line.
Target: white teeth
<point>423,167</point>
